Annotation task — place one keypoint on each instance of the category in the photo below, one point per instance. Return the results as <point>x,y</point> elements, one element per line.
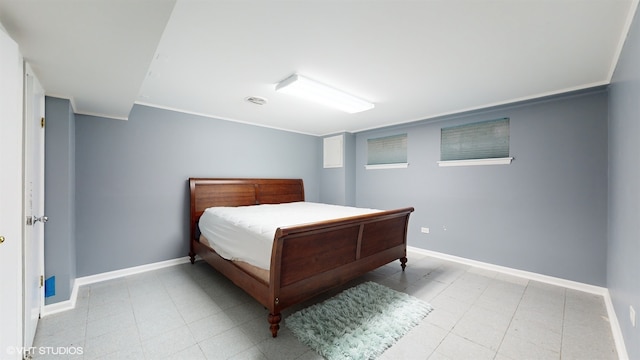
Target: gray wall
<point>546,212</point>
<point>623,265</point>
<point>59,232</point>
<point>131,179</point>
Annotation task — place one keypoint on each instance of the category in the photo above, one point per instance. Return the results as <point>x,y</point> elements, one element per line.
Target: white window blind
<point>481,140</point>
<point>387,150</point>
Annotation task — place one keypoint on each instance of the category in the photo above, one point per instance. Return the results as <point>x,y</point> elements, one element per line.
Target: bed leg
<point>192,257</point>
<point>403,262</point>
<point>274,320</point>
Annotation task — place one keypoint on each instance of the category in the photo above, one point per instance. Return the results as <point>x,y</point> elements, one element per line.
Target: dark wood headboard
<point>209,192</point>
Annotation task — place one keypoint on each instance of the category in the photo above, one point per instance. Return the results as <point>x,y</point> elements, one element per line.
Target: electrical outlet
<point>632,315</point>
<point>424,230</point>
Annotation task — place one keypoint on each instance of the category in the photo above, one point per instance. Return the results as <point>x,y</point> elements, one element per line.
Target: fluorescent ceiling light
<point>306,88</point>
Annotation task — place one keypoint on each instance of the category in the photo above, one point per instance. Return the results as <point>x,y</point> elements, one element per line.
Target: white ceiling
<point>414,59</point>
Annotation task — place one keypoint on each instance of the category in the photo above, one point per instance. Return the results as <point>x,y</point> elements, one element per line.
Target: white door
<point>33,204</point>
<point>11,197</point>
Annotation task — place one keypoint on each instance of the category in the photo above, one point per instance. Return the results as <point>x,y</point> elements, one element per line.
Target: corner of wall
<point>338,184</point>
<point>72,194</point>
<point>350,168</point>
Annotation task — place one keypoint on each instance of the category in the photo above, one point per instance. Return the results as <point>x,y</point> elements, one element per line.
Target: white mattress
<point>245,233</point>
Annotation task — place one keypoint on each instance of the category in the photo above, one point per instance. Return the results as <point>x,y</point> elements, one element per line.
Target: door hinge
<point>41,280</point>
<point>42,122</point>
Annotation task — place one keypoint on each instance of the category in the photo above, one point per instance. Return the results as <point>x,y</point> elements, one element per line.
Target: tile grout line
<point>511,320</point>
<point>564,320</point>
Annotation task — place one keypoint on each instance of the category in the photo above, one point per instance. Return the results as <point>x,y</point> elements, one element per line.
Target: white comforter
<point>246,233</point>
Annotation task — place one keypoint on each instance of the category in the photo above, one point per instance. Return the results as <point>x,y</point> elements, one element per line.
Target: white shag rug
<point>359,323</point>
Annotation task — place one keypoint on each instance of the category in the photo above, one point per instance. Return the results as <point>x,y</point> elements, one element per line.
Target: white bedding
<point>245,233</point>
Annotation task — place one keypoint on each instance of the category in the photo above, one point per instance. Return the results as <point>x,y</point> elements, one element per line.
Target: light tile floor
<point>191,312</point>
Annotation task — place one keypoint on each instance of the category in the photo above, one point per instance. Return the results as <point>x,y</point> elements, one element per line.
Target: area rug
<point>359,323</point>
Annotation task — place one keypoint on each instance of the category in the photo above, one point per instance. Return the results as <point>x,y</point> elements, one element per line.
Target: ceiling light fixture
<point>306,88</point>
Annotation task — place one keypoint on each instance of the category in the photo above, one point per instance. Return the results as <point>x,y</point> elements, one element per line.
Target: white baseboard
<point>598,290</point>
<point>592,289</point>
<point>615,329</point>
<point>62,305</point>
<point>91,279</point>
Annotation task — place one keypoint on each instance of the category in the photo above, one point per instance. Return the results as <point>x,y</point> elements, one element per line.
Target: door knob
<point>1,239</point>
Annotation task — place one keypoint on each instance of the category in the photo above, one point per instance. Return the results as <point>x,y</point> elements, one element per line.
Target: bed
<point>306,260</point>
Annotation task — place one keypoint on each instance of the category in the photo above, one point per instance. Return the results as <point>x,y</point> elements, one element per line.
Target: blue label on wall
<point>50,286</point>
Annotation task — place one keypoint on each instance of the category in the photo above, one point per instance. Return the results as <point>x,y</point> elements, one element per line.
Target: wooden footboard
<point>323,255</point>
<point>307,259</point>
<point>311,259</point>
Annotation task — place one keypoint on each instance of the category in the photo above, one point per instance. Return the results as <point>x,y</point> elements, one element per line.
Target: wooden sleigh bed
<point>306,260</point>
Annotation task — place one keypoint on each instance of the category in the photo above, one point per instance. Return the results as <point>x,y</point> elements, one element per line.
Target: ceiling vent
<point>256,100</point>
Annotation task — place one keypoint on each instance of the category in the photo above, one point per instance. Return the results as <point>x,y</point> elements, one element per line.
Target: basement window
<point>388,152</point>
<point>480,143</point>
